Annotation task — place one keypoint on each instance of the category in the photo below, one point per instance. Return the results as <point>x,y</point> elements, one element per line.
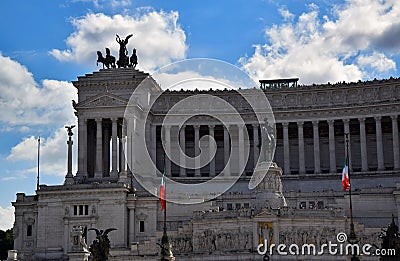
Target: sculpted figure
<point>267,141</point>
<point>100,247</point>
<point>123,60</point>
<point>133,60</point>
<point>108,61</point>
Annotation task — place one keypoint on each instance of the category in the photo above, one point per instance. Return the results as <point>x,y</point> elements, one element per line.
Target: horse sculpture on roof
<point>108,61</point>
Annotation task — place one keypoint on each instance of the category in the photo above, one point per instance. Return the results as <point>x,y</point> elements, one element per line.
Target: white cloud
<point>377,61</point>
<point>6,218</point>
<point>158,38</point>
<point>53,153</point>
<point>24,102</point>
<point>321,50</point>
<point>25,105</point>
<point>285,13</point>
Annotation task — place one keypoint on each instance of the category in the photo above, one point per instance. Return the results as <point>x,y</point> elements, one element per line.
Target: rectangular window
<point>29,230</point>
<point>311,205</point>
<point>246,205</point>
<point>229,206</point>
<point>81,210</point>
<point>302,205</point>
<point>238,206</point>
<point>141,226</point>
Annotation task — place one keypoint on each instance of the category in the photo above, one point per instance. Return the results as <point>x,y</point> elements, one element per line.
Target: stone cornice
<point>314,97</point>
<point>111,77</point>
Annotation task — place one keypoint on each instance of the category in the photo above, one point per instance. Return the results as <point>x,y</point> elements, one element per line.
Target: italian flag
<point>162,191</point>
<point>345,175</point>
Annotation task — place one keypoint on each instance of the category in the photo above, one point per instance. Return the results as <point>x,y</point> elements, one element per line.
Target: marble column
<point>332,150</point>
<point>122,156</point>
<point>363,145</point>
<point>106,151</point>
<point>130,156</point>
<point>182,142</point>
<point>153,144</point>
<point>82,145</point>
<point>226,151</point>
<point>256,142</point>
<point>241,149</point>
<point>167,133</point>
<point>286,149</point>
<point>114,137</point>
<point>379,146</point>
<point>317,162</point>
<point>346,123</point>
<point>302,167</point>
<point>212,148</point>
<point>197,150</point>
<point>99,142</point>
<point>123,177</point>
<point>395,131</point>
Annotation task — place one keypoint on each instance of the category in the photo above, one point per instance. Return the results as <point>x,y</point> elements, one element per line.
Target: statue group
<point>100,248</point>
<point>124,60</point>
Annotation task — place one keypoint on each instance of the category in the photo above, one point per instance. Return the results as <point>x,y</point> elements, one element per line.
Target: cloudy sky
<point>46,44</point>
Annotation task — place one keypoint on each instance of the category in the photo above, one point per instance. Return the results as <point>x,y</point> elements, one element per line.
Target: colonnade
<point>333,164</point>
<point>99,137</point>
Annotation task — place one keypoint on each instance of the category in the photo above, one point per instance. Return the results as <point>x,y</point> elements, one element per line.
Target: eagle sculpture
<point>100,247</point>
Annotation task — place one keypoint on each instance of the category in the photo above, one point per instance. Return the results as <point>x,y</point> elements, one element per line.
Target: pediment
<point>103,100</point>
<point>266,214</point>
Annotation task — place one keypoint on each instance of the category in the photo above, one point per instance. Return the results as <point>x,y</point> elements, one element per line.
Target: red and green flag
<point>162,191</point>
<point>345,175</point>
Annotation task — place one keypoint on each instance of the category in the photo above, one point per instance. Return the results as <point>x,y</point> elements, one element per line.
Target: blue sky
<point>46,44</point>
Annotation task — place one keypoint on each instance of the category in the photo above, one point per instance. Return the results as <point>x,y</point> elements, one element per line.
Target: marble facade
<point>310,126</point>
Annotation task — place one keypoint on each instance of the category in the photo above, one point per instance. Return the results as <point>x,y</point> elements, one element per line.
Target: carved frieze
<point>104,100</point>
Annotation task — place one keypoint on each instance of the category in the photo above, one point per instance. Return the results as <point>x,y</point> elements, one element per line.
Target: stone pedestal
<point>12,255</point>
<point>78,256</point>
<point>269,189</point>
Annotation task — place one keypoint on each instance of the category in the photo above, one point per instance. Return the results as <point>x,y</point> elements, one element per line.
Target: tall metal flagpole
<point>38,161</point>
<point>352,238</point>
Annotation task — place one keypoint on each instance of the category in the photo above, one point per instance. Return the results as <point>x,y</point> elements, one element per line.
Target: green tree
<point>6,243</point>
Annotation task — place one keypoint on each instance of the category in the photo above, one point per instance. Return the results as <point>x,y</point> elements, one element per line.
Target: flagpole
<point>166,251</point>
<point>352,236</point>
<point>38,161</point>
